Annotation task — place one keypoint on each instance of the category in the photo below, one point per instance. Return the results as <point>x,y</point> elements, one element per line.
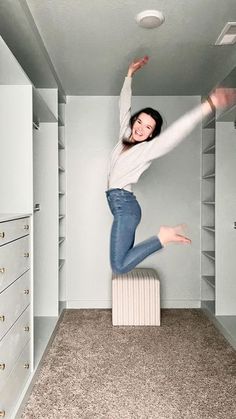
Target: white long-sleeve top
<point>126,168</point>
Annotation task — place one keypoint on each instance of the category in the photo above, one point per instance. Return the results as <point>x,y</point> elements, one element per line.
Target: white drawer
<point>15,383</point>
<point>11,230</point>
<point>14,261</point>
<point>12,345</point>
<point>13,301</point>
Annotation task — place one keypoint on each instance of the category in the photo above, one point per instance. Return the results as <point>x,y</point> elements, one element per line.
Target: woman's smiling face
<point>143,127</point>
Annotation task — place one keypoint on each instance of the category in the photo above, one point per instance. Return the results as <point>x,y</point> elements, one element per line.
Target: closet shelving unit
<point>62,203</point>
<point>45,186</point>
<point>208,216</point>
<point>29,186</point>
<point>218,233</point>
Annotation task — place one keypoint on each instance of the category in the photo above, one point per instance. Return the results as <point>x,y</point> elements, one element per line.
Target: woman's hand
<point>137,64</point>
<point>223,97</point>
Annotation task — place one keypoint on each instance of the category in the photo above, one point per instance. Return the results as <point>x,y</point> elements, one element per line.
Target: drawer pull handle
<point>26,254</point>
<point>2,318</point>
<point>2,366</point>
<point>2,270</point>
<point>26,291</point>
<point>26,227</point>
<point>2,234</point>
<point>26,328</point>
<point>2,413</point>
<point>26,366</point>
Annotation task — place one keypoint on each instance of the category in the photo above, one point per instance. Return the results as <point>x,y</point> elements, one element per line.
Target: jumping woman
<point>140,142</point>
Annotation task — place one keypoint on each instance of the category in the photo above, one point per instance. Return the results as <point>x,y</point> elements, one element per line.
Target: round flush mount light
<point>150,19</point>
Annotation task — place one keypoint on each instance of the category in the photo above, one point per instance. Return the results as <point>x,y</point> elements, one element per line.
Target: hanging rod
<point>36,207</point>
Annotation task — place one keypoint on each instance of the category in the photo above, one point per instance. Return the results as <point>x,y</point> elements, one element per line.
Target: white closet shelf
<point>36,125</point>
<point>208,202</point>
<point>228,115</point>
<point>209,176</point>
<point>210,123</point>
<point>61,263</point>
<point>209,150</point>
<point>210,280</point>
<point>42,113</point>
<point>61,239</point>
<point>210,254</point>
<point>60,121</point>
<point>61,97</point>
<point>210,228</point>
<point>61,145</point>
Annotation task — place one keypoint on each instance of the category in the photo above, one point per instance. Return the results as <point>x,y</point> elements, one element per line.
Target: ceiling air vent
<point>228,34</point>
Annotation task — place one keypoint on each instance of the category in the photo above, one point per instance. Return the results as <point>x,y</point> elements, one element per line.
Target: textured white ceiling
<point>90,43</point>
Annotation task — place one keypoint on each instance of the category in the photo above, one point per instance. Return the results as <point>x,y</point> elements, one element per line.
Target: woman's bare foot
<point>173,234</point>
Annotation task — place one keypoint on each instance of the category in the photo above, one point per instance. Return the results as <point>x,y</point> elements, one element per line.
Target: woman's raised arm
<point>180,129</point>
<point>126,95</point>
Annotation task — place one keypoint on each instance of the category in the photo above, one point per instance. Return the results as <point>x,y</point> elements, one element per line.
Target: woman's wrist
<point>210,102</point>
<point>206,108</point>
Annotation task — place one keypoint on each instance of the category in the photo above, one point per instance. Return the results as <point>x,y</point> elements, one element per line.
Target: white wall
<point>169,193</point>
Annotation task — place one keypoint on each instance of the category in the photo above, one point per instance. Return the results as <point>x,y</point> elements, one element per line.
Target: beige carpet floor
<point>183,369</point>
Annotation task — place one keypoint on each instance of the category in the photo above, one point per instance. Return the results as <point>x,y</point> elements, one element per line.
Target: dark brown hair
<point>157,130</point>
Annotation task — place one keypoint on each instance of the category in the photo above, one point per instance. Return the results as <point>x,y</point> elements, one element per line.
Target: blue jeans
<point>124,256</point>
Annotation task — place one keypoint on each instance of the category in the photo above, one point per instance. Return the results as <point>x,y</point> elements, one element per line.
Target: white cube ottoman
<point>136,298</point>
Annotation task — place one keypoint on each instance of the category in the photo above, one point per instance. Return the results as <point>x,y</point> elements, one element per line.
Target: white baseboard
<point>107,304</point>
<point>180,304</point>
<point>88,304</point>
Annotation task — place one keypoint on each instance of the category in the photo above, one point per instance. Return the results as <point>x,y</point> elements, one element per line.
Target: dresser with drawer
<point>15,310</point>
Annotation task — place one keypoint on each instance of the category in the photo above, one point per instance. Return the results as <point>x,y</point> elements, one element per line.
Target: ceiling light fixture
<point>150,19</point>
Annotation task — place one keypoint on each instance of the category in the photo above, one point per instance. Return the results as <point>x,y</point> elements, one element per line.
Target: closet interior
<point>33,217</point>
